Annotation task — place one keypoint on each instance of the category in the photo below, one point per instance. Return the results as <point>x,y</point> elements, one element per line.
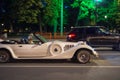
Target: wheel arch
<point>9,50</point>
<point>80,50</point>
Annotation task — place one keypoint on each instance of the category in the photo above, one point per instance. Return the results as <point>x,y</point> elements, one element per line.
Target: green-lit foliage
<point>52,13</point>
<point>98,0</point>
<point>47,12</point>
<point>42,12</point>
<point>86,9</point>
<point>110,10</point>
<point>96,10</point>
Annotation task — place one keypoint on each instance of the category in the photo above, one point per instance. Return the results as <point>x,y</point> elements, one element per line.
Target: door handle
<point>20,46</point>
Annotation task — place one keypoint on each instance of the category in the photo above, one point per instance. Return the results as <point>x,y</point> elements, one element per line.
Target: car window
<point>74,30</point>
<point>102,30</point>
<point>91,31</point>
<point>78,30</point>
<point>81,30</point>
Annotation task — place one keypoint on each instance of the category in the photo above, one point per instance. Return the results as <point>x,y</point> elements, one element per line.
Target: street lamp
<point>98,0</point>
<point>2,24</point>
<point>105,17</point>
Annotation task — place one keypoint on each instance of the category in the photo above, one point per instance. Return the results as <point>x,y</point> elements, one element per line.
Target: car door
<point>93,38</point>
<point>30,50</point>
<point>109,40</point>
<point>103,38</point>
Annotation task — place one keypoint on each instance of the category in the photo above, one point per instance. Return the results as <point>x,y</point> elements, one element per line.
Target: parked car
<point>42,49</point>
<point>95,36</point>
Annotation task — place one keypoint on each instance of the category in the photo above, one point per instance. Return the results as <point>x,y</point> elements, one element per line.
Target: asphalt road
<point>106,67</point>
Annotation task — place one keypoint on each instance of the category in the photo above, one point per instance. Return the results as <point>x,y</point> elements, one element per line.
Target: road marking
<point>116,54</point>
<point>60,66</point>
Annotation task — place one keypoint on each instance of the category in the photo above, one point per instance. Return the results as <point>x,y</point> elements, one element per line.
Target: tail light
<point>71,35</point>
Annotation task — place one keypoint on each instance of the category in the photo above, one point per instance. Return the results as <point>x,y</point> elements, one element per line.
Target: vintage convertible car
<point>42,49</point>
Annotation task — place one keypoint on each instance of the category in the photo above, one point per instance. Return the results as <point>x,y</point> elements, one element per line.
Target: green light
<point>106,17</point>
<point>98,0</point>
<point>61,27</point>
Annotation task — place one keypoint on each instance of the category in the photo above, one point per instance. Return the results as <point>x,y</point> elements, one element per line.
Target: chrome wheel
<point>4,56</point>
<point>83,56</point>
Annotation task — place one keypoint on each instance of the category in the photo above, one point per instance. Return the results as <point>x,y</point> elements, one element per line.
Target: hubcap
<point>3,57</point>
<point>83,57</point>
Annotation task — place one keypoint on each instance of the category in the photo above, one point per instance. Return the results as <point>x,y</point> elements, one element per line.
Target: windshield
<point>41,38</point>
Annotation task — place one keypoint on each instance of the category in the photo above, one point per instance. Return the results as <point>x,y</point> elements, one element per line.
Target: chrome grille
<point>68,47</point>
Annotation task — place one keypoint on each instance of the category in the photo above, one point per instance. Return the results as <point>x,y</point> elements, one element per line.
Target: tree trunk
<point>55,27</point>
<point>77,21</point>
<point>40,27</point>
<point>11,27</point>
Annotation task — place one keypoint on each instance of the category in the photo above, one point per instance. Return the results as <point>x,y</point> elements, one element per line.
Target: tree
<point>84,10</point>
<point>22,11</point>
<point>6,17</point>
<point>52,13</point>
<point>107,14</point>
<point>28,11</point>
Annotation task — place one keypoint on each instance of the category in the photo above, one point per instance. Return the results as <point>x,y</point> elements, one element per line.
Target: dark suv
<point>95,36</point>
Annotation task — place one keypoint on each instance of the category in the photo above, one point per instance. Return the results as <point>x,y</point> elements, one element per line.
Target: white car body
<point>47,50</point>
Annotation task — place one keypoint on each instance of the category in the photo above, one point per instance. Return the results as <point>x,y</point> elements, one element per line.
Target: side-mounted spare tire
<point>55,49</point>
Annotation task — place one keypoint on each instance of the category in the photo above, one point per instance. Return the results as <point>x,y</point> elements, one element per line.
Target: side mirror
<point>100,33</point>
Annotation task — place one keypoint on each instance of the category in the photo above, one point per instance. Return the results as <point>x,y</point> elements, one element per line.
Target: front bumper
<point>95,54</point>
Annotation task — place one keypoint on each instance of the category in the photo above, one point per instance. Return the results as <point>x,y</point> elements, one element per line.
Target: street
<point>106,67</point>
<point>31,30</point>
